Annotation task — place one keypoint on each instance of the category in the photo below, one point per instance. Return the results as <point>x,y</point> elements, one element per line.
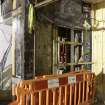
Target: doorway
<point>67,50</point>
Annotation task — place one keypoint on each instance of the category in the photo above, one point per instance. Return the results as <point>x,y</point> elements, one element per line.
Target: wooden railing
<point>67,89</point>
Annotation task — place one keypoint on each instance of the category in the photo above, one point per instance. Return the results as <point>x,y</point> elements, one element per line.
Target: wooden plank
<point>32,99</point>
<point>60,95</point>
<point>94,1</point>
<point>87,91</point>
<point>65,95</point>
<point>83,94</point>
<point>75,94</point>
<point>47,97</point>
<point>55,50</point>
<point>79,98</point>
<point>22,100</point>
<point>83,63</point>
<point>70,103</point>
<point>13,13</point>
<point>70,43</point>
<point>44,3</point>
<point>54,94</point>
<point>72,49</point>
<point>27,101</point>
<point>13,43</point>
<point>40,98</point>
<point>71,64</point>
<point>17,11</point>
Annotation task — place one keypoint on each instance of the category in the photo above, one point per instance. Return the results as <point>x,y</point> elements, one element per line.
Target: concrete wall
<point>43,49</point>
<point>98,38</point>
<point>98,50</point>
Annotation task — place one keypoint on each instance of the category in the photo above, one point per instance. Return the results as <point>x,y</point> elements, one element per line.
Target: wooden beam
<point>70,43</point>
<point>17,11</point>
<point>72,64</point>
<point>13,43</point>
<point>93,1</point>
<point>44,3</point>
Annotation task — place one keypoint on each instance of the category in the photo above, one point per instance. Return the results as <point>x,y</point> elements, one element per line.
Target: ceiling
<point>94,1</point>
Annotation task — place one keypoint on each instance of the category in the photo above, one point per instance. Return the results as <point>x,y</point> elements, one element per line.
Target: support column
<point>72,49</point>
<point>13,40</point>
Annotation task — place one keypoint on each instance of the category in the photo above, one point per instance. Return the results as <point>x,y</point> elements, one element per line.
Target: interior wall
<point>98,38</point>
<point>98,50</point>
<point>43,47</point>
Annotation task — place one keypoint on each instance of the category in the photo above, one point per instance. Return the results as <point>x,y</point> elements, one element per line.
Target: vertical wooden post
<point>13,41</point>
<point>32,99</point>
<point>22,100</point>
<point>72,48</point>
<point>47,97</point>
<point>79,98</point>
<point>87,88</point>
<point>66,95</point>
<point>75,94</point>
<point>60,95</point>
<point>13,46</point>
<point>34,56</point>
<point>40,98</point>
<point>27,101</point>
<point>83,94</point>
<point>55,48</point>
<point>54,94</point>
<point>70,94</point>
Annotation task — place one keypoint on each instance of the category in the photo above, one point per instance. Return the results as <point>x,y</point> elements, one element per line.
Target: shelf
<point>70,43</point>
<point>73,64</point>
